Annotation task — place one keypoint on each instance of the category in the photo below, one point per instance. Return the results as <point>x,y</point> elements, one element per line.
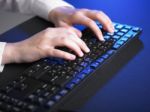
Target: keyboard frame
<point>75,91</point>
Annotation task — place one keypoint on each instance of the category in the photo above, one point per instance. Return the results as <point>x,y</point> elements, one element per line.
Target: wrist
<point>10,53</point>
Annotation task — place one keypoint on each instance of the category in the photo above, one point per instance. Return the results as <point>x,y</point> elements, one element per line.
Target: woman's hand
<point>67,16</point>
<point>43,44</point>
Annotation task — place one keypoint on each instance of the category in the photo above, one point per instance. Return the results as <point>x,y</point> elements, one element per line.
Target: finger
<point>78,32</point>
<point>69,26</point>
<point>78,41</point>
<point>89,23</point>
<point>69,43</point>
<point>62,54</point>
<point>102,18</point>
<point>81,43</point>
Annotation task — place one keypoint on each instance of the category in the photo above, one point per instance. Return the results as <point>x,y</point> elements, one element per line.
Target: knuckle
<point>100,12</point>
<point>98,15</point>
<point>43,47</point>
<point>90,22</point>
<point>80,41</point>
<point>83,43</point>
<point>44,50</point>
<point>84,9</point>
<point>77,49</point>
<point>64,55</point>
<point>46,32</point>
<point>51,52</point>
<point>64,40</point>
<point>68,29</point>
<point>78,13</point>
<point>61,54</point>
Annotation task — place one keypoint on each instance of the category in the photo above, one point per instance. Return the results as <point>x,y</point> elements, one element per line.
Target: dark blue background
<point>129,89</point>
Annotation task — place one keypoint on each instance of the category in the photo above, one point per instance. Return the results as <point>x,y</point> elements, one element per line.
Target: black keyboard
<point>43,85</point>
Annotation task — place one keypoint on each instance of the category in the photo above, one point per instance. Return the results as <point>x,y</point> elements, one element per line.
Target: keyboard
<point>45,83</point>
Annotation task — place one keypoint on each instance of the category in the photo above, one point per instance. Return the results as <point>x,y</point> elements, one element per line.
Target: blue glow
<point>129,90</point>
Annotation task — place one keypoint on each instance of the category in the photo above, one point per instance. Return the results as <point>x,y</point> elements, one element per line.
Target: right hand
<point>43,44</point>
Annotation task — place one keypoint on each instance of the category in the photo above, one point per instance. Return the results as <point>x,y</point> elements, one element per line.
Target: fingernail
<point>102,39</point>
<point>73,57</point>
<point>87,50</point>
<point>80,34</point>
<point>81,54</point>
<point>112,29</point>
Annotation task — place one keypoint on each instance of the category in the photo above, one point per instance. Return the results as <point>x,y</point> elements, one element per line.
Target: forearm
<point>40,8</point>
<point>9,54</point>
<point>2,46</point>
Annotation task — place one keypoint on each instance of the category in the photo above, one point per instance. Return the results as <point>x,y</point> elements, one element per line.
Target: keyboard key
<point>76,80</point>
<point>31,108</point>
<point>95,65</point>
<point>81,75</point>
<point>110,34</point>
<point>47,94</point>
<point>114,24</point>
<point>107,37</point>
<point>88,70</point>
<point>116,37</point>
<point>116,46</point>
<point>120,34</point>
<point>61,81</point>
<point>120,42</point>
<point>127,27</point>
<point>116,30</point>
<point>79,68</point>
<point>84,64</point>
<point>70,85</point>
<point>135,29</point>
<point>100,60</point>
<point>50,104</point>
<point>130,34</point>
<point>124,38</point>
<point>31,97</point>
<point>56,97</point>
<point>124,30</point>
<point>105,56</point>
<point>119,26</point>
<point>63,92</point>
<point>110,52</point>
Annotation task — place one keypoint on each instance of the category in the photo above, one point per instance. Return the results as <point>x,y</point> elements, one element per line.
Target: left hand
<point>68,16</point>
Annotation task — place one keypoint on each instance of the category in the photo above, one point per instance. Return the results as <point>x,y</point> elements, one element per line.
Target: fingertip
<point>87,50</point>
<point>112,29</point>
<point>101,38</point>
<point>79,34</point>
<point>100,35</point>
<point>72,57</point>
<point>81,54</point>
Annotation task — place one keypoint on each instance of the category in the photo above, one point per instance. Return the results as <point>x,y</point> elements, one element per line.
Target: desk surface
<point>129,89</point>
